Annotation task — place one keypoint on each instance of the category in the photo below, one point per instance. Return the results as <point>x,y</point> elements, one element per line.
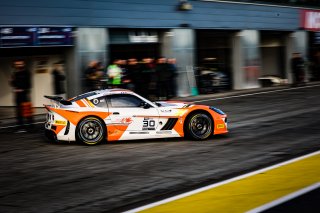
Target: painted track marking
<point>255,93</point>
<point>285,198</point>
<point>194,196</point>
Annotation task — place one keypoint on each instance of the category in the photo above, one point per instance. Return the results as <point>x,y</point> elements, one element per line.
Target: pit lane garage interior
<point>39,61</point>
<point>214,60</point>
<point>134,43</point>
<point>273,50</point>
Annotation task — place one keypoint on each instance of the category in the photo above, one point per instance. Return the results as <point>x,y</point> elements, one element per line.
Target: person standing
<point>173,75</point>
<point>90,74</point>
<point>114,74</point>
<point>123,65</point>
<point>58,79</point>
<point>147,78</point>
<point>101,79</point>
<point>297,67</point>
<point>163,76</point>
<point>133,75</point>
<point>21,83</point>
<point>152,79</point>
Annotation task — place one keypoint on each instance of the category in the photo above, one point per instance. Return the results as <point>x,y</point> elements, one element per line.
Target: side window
<point>124,100</point>
<point>100,102</point>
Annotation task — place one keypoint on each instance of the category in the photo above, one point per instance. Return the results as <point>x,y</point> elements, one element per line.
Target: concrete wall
<point>146,14</point>
<point>6,97</point>
<point>295,42</point>
<point>246,59</point>
<point>91,45</point>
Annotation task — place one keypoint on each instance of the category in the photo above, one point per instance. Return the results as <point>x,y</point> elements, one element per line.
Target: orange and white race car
<point>119,114</point>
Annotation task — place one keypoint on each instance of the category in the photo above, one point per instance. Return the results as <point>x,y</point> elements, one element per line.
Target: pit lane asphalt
<point>36,176</point>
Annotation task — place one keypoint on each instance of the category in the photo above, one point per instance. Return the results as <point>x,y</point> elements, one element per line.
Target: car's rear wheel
<point>199,126</point>
<point>91,131</point>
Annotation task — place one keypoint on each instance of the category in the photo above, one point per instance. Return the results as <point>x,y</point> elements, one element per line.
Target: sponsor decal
<point>310,19</point>
<point>166,110</point>
<point>12,36</point>
<point>58,122</point>
<point>148,124</point>
<point>133,133</point>
<point>220,126</point>
<point>164,132</point>
<point>126,120</point>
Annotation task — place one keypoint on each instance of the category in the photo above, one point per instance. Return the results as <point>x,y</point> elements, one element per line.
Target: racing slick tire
<point>199,126</point>
<point>91,131</point>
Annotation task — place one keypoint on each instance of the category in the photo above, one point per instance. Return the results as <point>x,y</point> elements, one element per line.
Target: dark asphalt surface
<point>37,176</point>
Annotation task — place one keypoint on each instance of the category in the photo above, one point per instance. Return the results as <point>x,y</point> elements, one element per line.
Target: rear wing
<point>57,101</point>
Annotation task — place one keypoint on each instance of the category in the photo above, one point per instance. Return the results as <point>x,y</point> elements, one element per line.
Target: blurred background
<point>216,45</point>
<point>162,50</point>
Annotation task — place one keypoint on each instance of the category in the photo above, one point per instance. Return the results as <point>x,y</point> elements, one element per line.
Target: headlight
<point>217,110</point>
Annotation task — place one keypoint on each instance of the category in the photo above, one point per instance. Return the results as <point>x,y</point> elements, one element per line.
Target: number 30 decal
<point>149,123</point>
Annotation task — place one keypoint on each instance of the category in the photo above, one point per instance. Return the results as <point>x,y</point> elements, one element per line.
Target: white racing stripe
<point>255,93</point>
<point>285,198</point>
<point>220,183</point>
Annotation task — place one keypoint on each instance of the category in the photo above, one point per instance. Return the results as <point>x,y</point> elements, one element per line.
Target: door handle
<point>116,113</point>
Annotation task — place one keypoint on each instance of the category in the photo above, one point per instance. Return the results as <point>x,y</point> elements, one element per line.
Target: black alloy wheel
<point>91,131</point>
<point>199,126</point>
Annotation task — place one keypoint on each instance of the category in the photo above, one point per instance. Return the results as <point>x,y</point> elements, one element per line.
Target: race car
<point>120,114</point>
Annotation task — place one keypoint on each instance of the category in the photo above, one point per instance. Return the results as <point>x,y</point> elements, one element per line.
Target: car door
<point>131,113</point>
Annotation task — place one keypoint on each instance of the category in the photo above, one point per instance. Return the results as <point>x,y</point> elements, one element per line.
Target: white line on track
<point>285,198</point>
<point>13,126</point>
<point>256,93</point>
<point>148,206</point>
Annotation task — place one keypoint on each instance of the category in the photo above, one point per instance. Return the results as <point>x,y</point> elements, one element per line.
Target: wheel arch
<point>93,115</point>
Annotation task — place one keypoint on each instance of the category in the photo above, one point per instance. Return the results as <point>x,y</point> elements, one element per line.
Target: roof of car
<point>116,90</point>
<point>99,93</point>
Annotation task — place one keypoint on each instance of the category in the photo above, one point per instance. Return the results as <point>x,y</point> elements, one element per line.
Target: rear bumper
<point>60,132</point>
<point>51,135</point>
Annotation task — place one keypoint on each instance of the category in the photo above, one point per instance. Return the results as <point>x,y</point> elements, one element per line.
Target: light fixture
<point>184,5</point>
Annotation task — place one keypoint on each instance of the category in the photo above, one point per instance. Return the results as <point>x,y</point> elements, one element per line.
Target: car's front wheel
<point>199,126</point>
<point>91,131</point>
